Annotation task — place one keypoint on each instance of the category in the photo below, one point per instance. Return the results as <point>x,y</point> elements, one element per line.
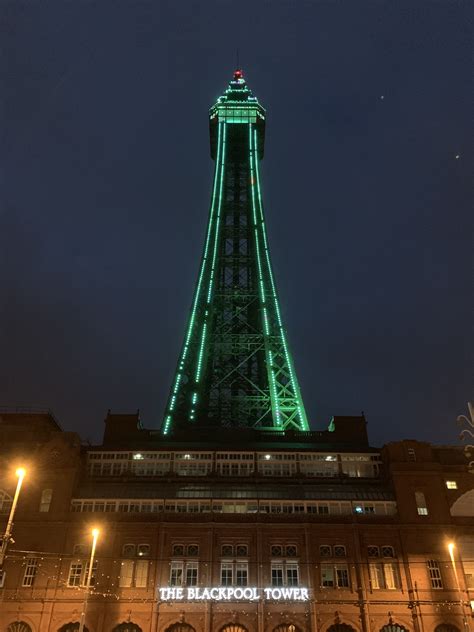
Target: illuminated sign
<point>229,593</point>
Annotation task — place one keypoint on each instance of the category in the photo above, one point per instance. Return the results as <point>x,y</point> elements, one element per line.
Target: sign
<point>230,593</point>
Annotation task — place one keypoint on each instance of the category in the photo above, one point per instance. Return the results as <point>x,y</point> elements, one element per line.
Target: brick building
<point>234,531</point>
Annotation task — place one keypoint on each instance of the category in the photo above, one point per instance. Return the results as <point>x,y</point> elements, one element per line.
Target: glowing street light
<point>451,547</point>
<point>7,536</point>
<point>95,536</point>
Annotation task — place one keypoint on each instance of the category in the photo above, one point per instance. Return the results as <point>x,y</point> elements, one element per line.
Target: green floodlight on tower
<point>235,368</point>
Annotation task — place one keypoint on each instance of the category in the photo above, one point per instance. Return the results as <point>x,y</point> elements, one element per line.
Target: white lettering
<point>248,593</point>
<point>192,593</point>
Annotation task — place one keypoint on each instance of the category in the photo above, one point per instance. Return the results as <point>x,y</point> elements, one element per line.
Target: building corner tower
<point>235,368</point>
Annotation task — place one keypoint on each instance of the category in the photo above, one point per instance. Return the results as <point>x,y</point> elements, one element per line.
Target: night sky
<point>106,179</point>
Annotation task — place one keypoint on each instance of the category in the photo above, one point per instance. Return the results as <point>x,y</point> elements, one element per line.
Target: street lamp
<point>7,536</point>
<point>95,535</point>
<point>458,586</point>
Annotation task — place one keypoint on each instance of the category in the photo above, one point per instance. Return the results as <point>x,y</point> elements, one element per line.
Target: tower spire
<point>235,368</point>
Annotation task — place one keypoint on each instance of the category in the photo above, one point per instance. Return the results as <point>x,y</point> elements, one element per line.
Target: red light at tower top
<point>238,74</point>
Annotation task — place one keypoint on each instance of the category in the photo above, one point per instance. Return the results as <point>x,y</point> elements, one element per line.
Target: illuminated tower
<point>235,368</point>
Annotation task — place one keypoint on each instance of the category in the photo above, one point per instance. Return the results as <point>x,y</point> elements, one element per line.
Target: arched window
<point>127,627</point>
<point>18,626</point>
<point>446,627</point>
<point>233,627</point>
<point>286,627</point>
<point>340,627</point>
<point>393,627</point>
<point>71,627</point>
<point>5,502</point>
<point>180,627</point>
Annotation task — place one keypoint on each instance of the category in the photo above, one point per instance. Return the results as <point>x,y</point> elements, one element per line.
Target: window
<point>191,573</point>
<point>184,573</point>
<point>339,551</point>
<point>192,549</point>
<point>325,550</point>
<point>133,573</point>
<point>80,549</point>
<point>241,550</point>
<point>421,504</point>
<point>411,454</point>
<point>30,572</point>
<point>227,550</point>
<point>276,550</point>
<point>128,550</point>
<point>277,574</point>
<point>227,573</point>
<point>241,573</point>
<point>75,574</point>
<point>292,574</point>
<point>384,576</point>
<point>291,550</point>
<point>176,573</point>
<point>373,551</point>
<point>388,551</point>
<point>334,576</point>
<point>285,573</point>
<point>143,550</point>
<point>434,573</point>
<point>451,484</point>
<point>2,578</point>
<point>45,502</point>
<point>78,572</point>
<point>178,549</point>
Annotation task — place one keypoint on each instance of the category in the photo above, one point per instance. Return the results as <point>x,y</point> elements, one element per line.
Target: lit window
<point>411,454</point>
<point>45,502</point>
<point>421,504</point>
<point>451,485</point>
<point>384,576</point>
<point>133,574</point>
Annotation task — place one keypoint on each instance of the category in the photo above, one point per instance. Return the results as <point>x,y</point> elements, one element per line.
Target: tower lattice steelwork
<point>235,368</point>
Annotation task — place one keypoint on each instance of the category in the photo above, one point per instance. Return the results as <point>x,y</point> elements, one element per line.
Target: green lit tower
<point>235,369</point>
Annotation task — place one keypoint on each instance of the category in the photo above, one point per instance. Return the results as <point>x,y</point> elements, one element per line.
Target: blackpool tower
<point>235,369</point>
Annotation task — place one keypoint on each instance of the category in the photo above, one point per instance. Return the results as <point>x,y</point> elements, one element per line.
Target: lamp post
<point>95,535</point>
<point>458,586</point>
<point>7,536</point>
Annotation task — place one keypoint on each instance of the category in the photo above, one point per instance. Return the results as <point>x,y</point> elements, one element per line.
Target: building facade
<point>311,531</point>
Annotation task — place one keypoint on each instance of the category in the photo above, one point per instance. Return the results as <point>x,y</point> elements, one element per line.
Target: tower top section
<point>237,106</point>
